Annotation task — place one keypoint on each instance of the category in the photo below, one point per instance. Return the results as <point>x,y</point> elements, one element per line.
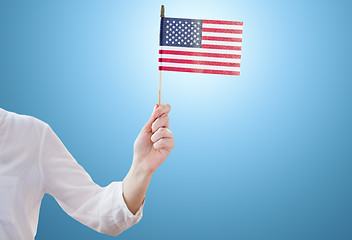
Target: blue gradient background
<point>266,155</point>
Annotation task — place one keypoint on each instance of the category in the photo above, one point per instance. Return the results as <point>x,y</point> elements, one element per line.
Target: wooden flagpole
<point>159,87</point>
<point>162,14</point>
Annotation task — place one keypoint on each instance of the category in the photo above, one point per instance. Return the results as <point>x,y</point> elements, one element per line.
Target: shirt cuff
<point>122,217</point>
<point>134,217</point>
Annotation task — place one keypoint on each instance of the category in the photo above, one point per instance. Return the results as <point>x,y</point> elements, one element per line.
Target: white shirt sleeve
<point>100,208</point>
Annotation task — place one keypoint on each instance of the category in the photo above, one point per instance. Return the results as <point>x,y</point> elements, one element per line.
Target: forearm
<point>135,186</point>
<point>151,148</point>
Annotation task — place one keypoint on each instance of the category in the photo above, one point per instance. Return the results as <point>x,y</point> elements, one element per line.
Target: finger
<point>162,121</point>
<point>164,143</point>
<point>162,109</point>
<point>161,133</point>
<point>148,126</point>
<point>158,111</point>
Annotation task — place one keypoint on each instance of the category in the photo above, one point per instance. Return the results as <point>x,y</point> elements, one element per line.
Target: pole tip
<point>162,12</point>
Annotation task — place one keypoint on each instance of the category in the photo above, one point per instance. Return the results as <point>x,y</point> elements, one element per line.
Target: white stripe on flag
<point>189,49</point>
<point>221,43</point>
<point>231,35</point>
<point>237,27</point>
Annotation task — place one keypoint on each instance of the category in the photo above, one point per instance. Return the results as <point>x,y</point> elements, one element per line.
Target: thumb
<point>148,126</point>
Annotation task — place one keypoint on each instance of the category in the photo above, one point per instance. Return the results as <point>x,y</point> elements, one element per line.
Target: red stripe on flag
<point>222,22</point>
<point>221,47</point>
<point>187,61</point>
<point>200,54</point>
<point>223,39</point>
<point>220,30</point>
<point>176,69</point>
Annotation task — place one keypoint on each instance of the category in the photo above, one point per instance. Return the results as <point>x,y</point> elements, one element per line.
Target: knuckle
<point>163,131</point>
<point>170,133</point>
<point>163,120</point>
<point>159,144</point>
<point>166,107</point>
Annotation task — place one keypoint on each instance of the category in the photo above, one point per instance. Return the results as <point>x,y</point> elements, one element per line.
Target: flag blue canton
<point>181,32</point>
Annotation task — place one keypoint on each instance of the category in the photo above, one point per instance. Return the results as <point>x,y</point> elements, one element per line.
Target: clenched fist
<point>155,141</point>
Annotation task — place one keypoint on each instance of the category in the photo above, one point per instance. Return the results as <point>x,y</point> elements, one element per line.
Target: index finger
<point>160,110</point>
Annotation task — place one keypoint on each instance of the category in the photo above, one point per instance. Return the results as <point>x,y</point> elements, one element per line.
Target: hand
<point>151,148</point>
<point>155,141</point>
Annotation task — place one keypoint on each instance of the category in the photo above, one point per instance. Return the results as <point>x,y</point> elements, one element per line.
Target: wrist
<point>134,187</point>
<point>139,170</point>
<point>140,165</point>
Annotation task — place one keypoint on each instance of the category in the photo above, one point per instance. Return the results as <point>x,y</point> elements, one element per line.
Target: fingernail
<point>155,107</point>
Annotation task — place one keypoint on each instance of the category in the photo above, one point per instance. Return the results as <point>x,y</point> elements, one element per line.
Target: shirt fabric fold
<point>33,161</point>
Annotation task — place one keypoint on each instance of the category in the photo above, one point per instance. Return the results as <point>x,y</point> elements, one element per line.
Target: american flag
<point>202,46</point>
